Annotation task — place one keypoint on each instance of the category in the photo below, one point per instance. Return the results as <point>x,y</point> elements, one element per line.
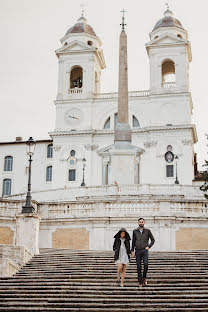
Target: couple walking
<point>140,248</point>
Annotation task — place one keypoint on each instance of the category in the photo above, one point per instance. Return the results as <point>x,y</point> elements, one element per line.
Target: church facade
<point>80,200</point>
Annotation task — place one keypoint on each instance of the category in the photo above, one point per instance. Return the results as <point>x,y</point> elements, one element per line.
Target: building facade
<point>163,189</point>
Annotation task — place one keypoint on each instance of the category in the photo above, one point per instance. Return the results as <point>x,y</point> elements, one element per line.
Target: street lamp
<point>28,208</point>
<point>176,180</point>
<point>84,164</point>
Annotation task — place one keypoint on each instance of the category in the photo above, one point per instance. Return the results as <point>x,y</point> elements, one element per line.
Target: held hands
<point>147,248</point>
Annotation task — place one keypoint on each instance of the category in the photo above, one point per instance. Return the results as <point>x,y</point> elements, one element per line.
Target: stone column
<point>27,231</point>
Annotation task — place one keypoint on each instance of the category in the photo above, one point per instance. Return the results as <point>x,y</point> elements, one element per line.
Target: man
<point>141,245</point>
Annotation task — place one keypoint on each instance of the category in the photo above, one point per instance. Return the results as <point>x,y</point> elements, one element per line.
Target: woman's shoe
<point>121,285</point>
<point>118,281</point>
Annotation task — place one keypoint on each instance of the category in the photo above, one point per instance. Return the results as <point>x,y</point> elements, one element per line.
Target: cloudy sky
<point>30,32</point>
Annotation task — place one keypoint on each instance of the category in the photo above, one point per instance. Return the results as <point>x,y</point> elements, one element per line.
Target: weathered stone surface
<point>27,231</point>
<point>72,280</point>
<point>12,258</point>
<point>192,238</point>
<point>6,235</point>
<point>71,238</point>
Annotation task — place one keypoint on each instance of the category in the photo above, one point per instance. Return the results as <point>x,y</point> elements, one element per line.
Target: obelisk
<point>122,128</point>
<point>122,152</point>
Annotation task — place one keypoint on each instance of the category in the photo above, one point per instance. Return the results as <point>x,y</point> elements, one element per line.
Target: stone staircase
<point>73,280</point>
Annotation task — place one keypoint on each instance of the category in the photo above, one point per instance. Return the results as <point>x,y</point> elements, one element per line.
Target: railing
<point>109,207</point>
<point>11,208</point>
<point>114,95</point>
<point>189,207</point>
<point>167,85</point>
<point>75,91</point>
<point>125,209</point>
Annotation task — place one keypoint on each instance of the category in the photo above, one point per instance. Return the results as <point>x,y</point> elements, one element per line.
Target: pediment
<point>121,145</point>
<point>166,40</point>
<point>75,46</point>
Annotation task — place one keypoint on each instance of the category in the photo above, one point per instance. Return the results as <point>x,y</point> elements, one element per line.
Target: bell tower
<point>80,62</point>
<point>169,52</point>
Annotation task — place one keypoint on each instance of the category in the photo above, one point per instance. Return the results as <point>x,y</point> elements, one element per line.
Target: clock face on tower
<point>74,116</point>
<point>169,157</point>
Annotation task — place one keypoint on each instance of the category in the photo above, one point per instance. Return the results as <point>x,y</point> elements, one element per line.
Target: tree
<point>204,187</point>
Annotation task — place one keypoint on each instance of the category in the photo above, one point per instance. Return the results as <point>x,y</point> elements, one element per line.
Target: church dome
<point>81,27</point>
<point>168,21</point>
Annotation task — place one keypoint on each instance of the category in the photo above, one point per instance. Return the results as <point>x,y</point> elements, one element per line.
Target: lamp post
<point>84,164</point>
<point>28,208</point>
<point>176,180</point>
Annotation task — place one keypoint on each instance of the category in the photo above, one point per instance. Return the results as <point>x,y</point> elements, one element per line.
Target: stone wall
<point>6,235</point>
<point>76,238</point>
<point>192,238</point>
<point>12,258</point>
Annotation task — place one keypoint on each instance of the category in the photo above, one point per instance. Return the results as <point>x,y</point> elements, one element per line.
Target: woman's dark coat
<point>117,243</point>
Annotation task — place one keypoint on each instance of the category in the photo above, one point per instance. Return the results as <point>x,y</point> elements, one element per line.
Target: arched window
<point>76,77</point>
<point>168,74</point>
<point>72,153</point>
<point>7,186</point>
<point>135,122</point>
<point>8,163</point>
<point>49,173</point>
<point>107,124</point>
<point>50,151</point>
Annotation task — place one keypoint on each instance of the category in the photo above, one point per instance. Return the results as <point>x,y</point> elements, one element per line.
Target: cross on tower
<point>123,20</point>
<point>167,4</point>
<point>82,5</point>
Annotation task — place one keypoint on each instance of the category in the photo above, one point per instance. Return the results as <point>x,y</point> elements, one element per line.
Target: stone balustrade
<point>114,95</point>
<point>168,85</point>
<point>10,208</point>
<point>123,208</point>
<point>75,91</point>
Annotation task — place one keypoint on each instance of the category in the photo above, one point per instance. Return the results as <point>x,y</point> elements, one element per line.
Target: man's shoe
<point>144,281</point>
<point>140,285</point>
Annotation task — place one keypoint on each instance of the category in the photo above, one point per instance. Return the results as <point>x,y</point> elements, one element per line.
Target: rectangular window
<point>72,175</point>
<point>169,171</point>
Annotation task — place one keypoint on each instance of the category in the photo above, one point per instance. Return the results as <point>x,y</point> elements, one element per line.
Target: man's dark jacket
<point>141,240</point>
<point>117,243</point>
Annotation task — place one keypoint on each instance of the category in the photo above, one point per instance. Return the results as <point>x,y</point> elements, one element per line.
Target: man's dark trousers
<point>141,254</point>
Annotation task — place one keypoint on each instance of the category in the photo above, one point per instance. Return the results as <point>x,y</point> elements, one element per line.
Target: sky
<point>30,32</point>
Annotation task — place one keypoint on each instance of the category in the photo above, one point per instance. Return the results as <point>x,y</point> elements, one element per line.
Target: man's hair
<point>140,219</point>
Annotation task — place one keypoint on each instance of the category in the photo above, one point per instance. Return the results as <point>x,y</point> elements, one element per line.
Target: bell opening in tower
<point>76,77</point>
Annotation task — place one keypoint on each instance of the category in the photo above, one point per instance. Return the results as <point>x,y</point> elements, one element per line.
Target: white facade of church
<point>163,189</point>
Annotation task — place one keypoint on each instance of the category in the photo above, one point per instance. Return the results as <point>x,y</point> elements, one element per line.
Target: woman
<point>121,247</point>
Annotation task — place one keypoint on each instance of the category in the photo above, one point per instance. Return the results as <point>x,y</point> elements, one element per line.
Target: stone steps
<point>71,280</point>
